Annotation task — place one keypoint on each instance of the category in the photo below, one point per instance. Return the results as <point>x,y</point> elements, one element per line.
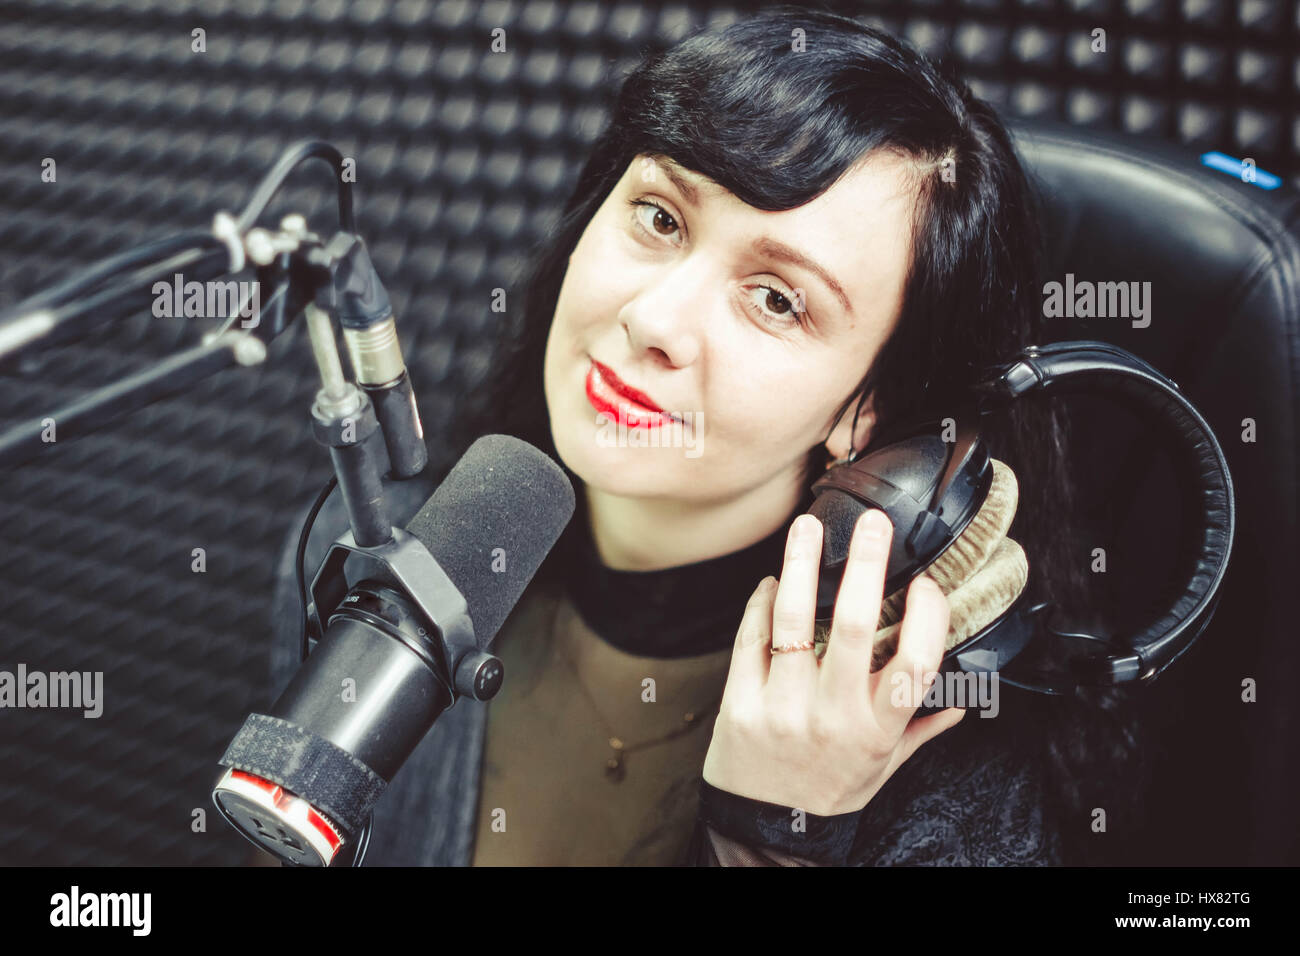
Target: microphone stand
<point>301,270</point>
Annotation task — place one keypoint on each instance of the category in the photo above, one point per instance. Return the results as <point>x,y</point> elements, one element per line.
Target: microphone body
<point>404,637</point>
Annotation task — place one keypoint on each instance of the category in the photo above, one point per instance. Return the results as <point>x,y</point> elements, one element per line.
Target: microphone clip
<point>405,564</point>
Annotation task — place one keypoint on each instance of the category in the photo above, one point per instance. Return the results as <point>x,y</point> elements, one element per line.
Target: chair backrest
<point>1216,262</point>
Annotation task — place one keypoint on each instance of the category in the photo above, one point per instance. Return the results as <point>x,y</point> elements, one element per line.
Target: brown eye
<point>776,308</point>
<point>664,224</point>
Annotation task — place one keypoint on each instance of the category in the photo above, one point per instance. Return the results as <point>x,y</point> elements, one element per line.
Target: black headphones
<point>931,488</point>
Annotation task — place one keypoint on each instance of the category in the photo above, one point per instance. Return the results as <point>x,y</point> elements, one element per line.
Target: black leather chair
<point>1223,260</point>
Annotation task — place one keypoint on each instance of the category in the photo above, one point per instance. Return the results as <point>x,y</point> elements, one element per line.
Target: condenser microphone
<point>406,628</point>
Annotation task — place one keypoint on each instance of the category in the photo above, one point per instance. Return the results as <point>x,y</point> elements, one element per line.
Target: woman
<point>785,219</point>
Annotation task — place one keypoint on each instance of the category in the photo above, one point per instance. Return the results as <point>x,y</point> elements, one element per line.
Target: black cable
<point>363,841</point>
<point>261,198</point>
<point>286,164</point>
<point>302,557</point>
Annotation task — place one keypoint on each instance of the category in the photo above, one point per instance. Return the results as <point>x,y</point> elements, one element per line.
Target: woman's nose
<point>667,317</point>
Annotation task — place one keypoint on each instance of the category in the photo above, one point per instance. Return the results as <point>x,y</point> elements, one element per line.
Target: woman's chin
<point>615,469</point>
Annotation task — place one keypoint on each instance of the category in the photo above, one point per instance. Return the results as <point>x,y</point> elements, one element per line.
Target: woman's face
<point>689,296</point>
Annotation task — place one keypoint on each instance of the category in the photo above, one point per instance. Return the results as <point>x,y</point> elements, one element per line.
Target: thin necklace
<point>615,767</point>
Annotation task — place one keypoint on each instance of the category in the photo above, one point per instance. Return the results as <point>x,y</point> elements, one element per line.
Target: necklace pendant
<point>614,769</point>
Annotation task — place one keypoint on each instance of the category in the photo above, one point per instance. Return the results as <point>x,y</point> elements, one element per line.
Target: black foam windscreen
<point>492,522</point>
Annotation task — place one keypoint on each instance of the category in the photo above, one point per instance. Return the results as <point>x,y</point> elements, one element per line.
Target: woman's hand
<point>824,736</point>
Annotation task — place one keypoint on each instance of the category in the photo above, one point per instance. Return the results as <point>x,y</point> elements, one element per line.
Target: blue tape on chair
<point>1237,167</point>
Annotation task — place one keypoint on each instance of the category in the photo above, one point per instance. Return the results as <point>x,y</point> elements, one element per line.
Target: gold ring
<point>805,646</point>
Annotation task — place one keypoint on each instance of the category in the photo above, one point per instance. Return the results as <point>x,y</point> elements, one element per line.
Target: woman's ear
<point>840,444</point>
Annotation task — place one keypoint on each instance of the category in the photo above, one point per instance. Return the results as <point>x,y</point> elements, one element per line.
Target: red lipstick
<point>609,395</point>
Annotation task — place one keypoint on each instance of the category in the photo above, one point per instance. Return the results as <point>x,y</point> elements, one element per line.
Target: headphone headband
<point>1092,366</point>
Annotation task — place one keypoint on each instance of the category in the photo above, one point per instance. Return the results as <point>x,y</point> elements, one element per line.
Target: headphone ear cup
<point>974,605</point>
<point>988,594</point>
<point>973,548</point>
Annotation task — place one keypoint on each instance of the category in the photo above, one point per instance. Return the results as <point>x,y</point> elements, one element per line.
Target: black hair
<point>776,126</point>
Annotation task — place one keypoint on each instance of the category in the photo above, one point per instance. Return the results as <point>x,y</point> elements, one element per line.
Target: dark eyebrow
<point>773,249</point>
<point>681,182</point>
<point>766,246</point>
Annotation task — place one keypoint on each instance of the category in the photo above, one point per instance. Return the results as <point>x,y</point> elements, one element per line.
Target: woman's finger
<point>749,658</point>
<point>904,680</point>
<point>927,728</point>
<point>846,666</point>
<point>794,672</point>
